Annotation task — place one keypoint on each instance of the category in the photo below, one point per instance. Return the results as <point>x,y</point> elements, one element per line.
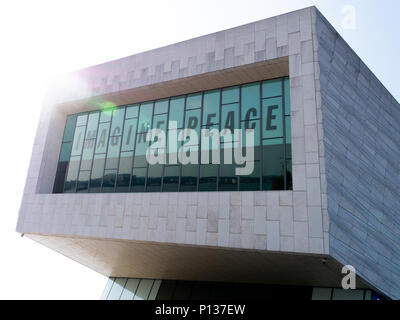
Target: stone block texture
<point>345,155</point>
<point>361,138</point>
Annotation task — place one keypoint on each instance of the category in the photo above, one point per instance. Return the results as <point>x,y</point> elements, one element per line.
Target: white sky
<point>39,39</point>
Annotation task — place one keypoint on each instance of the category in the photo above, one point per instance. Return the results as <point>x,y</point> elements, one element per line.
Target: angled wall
<point>362,151</point>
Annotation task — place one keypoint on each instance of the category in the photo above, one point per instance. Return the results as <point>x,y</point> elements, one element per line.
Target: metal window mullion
<point>183,129</point>
<point>151,288</point>
<point>80,160</point>
<point>201,123</point>
<point>166,142</point>
<point>134,149</point>
<point>123,289</point>
<point>145,139</point>
<point>284,134</point>
<point>69,162</point>
<point>137,288</point>
<point>105,158</point>
<point>240,127</point>
<point>120,150</point>
<point>219,138</point>
<point>273,97</point>
<point>94,151</point>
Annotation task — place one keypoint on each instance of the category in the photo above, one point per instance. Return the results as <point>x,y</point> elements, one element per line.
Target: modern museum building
<point>290,172</point>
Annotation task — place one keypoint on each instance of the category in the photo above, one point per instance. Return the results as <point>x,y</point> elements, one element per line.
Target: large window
<point>105,150</point>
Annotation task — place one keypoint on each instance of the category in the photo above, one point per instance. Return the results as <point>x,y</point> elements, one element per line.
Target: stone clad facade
<point>328,200</point>
<point>362,151</point>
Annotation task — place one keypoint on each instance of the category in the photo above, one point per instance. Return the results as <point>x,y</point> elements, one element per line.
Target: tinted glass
<point>138,179</point>
<point>189,178</point>
<point>171,179</point>
<point>193,101</point>
<point>208,177</point>
<point>211,107</point>
<point>105,151</point>
<point>176,110</point>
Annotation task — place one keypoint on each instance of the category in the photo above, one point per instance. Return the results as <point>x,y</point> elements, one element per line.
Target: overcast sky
<point>43,38</point>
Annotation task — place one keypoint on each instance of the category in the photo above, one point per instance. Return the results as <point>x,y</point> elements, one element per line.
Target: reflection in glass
<point>138,179</point>
<point>96,178</point>
<point>171,179</point>
<point>105,151</point>
<point>208,177</point>
<point>189,178</point>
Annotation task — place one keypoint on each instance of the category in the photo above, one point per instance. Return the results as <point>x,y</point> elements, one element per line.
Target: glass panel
<point>78,141</point>
<point>117,121</point>
<point>154,289</point>
<point>176,109</point>
<point>116,289</point>
<point>171,179</point>
<point>230,95</point>
<point>272,88</point>
<point>83,181</point>
<point>287,96</point>
<point>230,117</point>
<point>138,179</point>
<point>252,181</point>
<point>72,175</point>
<point>123,130</point>
<point>192,121</point>
<point>189,178</point>
<point>208,177</point>
<point>154,178</point>
<point>132,111</point>
<point>347,295</point>
<point>289,170</point>
<point>109,180</point>
<point>251,101</point>
<point>211,108</point>
<point>193,101</point>
<point>321,294</point>
<point>106,115</point>
<point>288,130</point>
<point>65,152</point>
<point>368,295</point>
<point>228,181</point>
<point>107,289</point>
<point>161,106</point>
<point>102,138</point>
<point>140,151</point>
<point>255,125</point>
<point>124,171</point>
<point>273,166</point>
<point>173,145</point>
<point>62,167</point>
<point>91,130</point>
<point>113,152</point>
<point>272,118</point>
<point>143,290</point>
<point>272,142</point>
<point>160,122</point>
<point>69,128</point>
<point>208,142</point>
<point>81,120</point>
<point>129,136</point>
<point>130,289</point>
<point>145,115</point>
<point>90,142</point>
<point>87,155</point>
<point>97,173</point>
<point>289,175</point>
